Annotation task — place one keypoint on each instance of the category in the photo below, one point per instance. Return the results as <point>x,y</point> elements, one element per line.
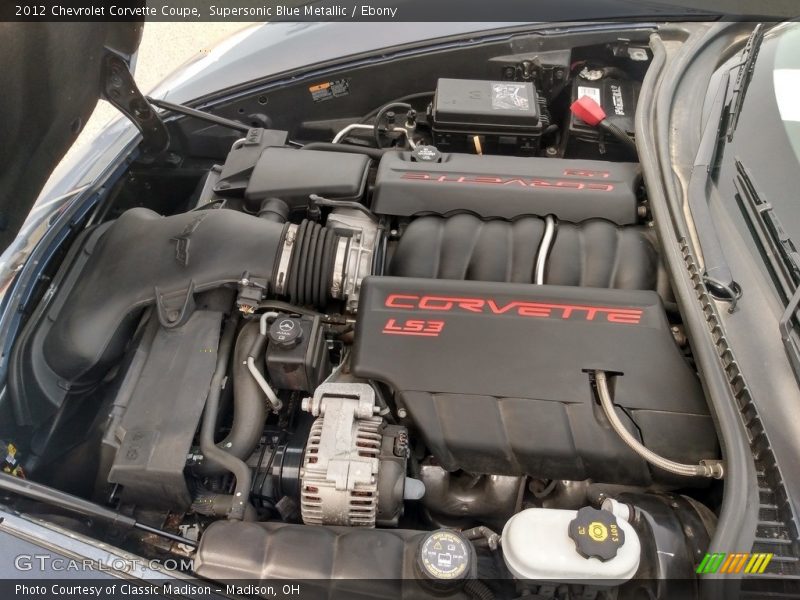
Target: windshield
<point>786,81</point>
<point>759,168</point>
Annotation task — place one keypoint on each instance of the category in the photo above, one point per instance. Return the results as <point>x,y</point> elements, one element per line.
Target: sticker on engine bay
<point>510,96</point>
<point>329,90</point>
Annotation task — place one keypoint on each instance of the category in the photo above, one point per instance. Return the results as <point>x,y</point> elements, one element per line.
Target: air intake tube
<point>144,258</point>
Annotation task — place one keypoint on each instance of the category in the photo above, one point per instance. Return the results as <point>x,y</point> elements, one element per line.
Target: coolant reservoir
<point>567,545</point>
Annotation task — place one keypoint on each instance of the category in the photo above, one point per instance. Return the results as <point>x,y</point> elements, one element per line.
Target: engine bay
<point>392,347</point>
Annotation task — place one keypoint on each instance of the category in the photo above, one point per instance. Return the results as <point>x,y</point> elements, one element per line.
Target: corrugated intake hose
<point>311,271</point>
<point>477,590</point>
<point>706,468</point>
<point>249,407</point>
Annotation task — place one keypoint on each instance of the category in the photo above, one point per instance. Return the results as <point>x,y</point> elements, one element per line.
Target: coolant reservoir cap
<point>426,154</point>
<point>444,555</point>
<point>596,533</point>
<point>285,332</point>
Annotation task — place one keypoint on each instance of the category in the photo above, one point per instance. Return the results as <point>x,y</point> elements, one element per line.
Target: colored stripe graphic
<point>734,563</point>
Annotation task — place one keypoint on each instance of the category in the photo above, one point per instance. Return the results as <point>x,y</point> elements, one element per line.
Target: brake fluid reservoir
<point>567,546</point>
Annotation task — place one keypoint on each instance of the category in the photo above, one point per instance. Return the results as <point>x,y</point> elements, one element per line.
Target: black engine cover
<point>507,187</point>
<point>496,376</point>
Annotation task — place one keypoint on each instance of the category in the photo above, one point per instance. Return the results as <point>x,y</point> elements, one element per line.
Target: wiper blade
<point>779,253</point>
<point>774,243</point>
<point>749,56</point>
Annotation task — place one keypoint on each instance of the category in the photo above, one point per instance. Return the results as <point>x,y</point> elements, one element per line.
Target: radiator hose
<point>249,407</point>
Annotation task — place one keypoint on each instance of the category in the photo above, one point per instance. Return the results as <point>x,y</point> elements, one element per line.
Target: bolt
<point>402,413</point>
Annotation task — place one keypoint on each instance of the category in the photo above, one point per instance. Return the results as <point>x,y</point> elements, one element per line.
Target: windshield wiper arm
<point>749,56</point>
<point>717,274</point>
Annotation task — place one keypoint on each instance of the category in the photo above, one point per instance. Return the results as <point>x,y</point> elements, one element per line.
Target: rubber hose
<point>312,265</point>
<point>249,405</point>
<point>478,590</point>
<point>374,153</point>
<point>211,452</point>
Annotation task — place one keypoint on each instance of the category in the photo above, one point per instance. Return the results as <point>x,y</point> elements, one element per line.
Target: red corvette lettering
<point>547,310</point>
<point>521,182</point>
<point>400,301</point>
<point>586,173</point>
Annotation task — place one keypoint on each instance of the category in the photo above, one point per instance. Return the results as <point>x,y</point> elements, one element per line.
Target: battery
<point>481,116</point>
<point>618,97</point>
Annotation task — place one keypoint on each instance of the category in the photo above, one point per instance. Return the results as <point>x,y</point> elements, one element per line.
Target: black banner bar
<point>515,11</point>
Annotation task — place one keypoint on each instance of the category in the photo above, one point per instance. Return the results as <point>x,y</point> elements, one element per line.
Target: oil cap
<point>596,533</point>
<point>445,557</point>
<point>285,332</point>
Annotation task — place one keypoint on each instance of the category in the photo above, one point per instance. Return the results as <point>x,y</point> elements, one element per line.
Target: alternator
<point>354,464</point>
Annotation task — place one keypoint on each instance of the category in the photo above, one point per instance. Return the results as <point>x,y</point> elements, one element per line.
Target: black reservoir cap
<point>596,533</point>
<point>444,556</point>
<point>285,332</point>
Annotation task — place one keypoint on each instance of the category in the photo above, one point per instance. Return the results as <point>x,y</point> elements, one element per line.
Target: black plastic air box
<point>292,175</point>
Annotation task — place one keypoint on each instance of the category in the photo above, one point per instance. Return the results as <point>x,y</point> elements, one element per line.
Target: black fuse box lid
<point>477,104</point>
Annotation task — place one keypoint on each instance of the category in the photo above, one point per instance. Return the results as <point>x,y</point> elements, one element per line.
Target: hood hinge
<point>120,89</point>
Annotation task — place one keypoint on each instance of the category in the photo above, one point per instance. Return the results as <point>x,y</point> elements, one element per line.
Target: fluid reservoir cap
<point>596,533</point>
<point>426,154</point>
<point>285,332</point>
<point>444,555</point>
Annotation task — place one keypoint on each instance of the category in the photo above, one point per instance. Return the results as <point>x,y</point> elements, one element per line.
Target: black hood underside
<point>51,76</point>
